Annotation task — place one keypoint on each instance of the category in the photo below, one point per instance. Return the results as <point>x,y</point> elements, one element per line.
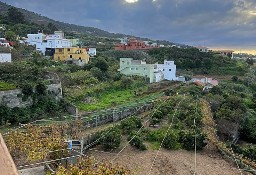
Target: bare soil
<point>169,162</point>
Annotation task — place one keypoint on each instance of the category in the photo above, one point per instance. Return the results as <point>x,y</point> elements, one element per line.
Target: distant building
<point>2,30</point>
<point>134,44</point>
<point>228,53</point>
<point>4,43</point>
<point>155,72</point>
<point>202,49</point>
<point>5,57</point>
<point>47,43</point>
<point>91,51</point>
<point>74,42</point>
<point>76,55</point>
<point>205,81</point>
<point>124,40</point>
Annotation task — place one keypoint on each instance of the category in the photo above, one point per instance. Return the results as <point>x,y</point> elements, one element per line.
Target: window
<point>68,50</point>
<point>170,70</point>
<point>145,69</point>
<point>70,56</point>
<point>163,69</point>
<point>60,50</point>
<point>132,68</point>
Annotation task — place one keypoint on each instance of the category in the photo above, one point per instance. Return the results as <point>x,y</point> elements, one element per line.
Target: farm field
<point>178,162</point>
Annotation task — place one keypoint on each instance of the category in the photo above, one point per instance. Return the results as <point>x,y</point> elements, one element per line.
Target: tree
<point>111,139</point>
<point>41,89</point>
<point>97,73</point>
<point>52,27</point>
<point>187,139</point>
<point>126,82</point>
<point>102,64</point>
<point>171,141</point>
<point>248,128</point>
<point>15,16</point>
<point>250,61</point>
<point>27,89</point>
<point>137,141</point>
<point>235,78</point>
<point>10,36</point>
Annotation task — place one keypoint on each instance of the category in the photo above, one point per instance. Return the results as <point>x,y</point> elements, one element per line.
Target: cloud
<point>196,22</point>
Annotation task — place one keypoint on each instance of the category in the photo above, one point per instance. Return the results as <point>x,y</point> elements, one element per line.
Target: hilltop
<point>92,31</point>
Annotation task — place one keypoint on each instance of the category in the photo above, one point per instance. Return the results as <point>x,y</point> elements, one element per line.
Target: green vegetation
<point>199,62</point>
<point>6,86</point>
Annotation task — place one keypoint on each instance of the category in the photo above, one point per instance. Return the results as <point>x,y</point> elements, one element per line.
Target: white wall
<point>33,39</point>
<point>92,51</point>
<point>159,76</point>
<point>42,41</point>
<point>5,58</point>
<point>168,69</point>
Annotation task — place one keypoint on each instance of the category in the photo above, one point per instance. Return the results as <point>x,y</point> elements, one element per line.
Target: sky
<point>229,24</point>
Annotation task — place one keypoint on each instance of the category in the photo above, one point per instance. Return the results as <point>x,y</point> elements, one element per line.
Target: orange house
<point>134,44</point>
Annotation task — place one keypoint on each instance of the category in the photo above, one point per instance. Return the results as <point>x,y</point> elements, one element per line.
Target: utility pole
<point>195,145</point>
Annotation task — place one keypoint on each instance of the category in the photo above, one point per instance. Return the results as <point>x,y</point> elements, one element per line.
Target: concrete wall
<point>112,115</point>
<point>13,98</point>
<point>5,57</point>
<point>55,89</point>
<point>72,109</point>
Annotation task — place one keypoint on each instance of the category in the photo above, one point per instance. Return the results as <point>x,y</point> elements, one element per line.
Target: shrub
<point>27,90</point>
<point>137,142</point>
<point>171,141</point>
<point>187,140</point>
<point>130,124</point>
<point>111,138</point>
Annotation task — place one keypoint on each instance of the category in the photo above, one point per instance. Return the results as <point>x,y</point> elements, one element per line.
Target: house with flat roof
<point>47,43</point>
<point>76,55</point>
<point>154,72</point>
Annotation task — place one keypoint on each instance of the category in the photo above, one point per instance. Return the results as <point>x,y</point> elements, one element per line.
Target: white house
<point>202,49</point>
<point>91,51</point>
<point>5,58</point>
<point>33,39</point>
<point>155,72</point>
<point>4,42</point>
<point>44,42</point>
<point>168,69</point>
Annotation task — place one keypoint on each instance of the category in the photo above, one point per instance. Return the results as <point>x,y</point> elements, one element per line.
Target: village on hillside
<point>78,103</point>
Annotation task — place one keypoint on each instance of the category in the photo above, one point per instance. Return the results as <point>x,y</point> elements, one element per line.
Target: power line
<point>137,132</point>
<point>164,137</point>
<point>103,135</point>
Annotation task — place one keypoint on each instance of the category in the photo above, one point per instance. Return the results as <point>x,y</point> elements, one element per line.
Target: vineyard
<point>170,125</point>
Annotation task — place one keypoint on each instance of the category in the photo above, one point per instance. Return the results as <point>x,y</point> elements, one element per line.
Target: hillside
<point>37,18</point>
<point>92,31</point>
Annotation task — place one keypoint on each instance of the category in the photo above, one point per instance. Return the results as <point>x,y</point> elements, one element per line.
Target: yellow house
<point>71,54</point>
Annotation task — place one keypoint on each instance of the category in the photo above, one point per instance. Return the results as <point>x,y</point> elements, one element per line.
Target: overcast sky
<point>214,23</point>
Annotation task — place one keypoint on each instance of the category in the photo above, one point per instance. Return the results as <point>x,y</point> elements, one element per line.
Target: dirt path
<point>178,162</point>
